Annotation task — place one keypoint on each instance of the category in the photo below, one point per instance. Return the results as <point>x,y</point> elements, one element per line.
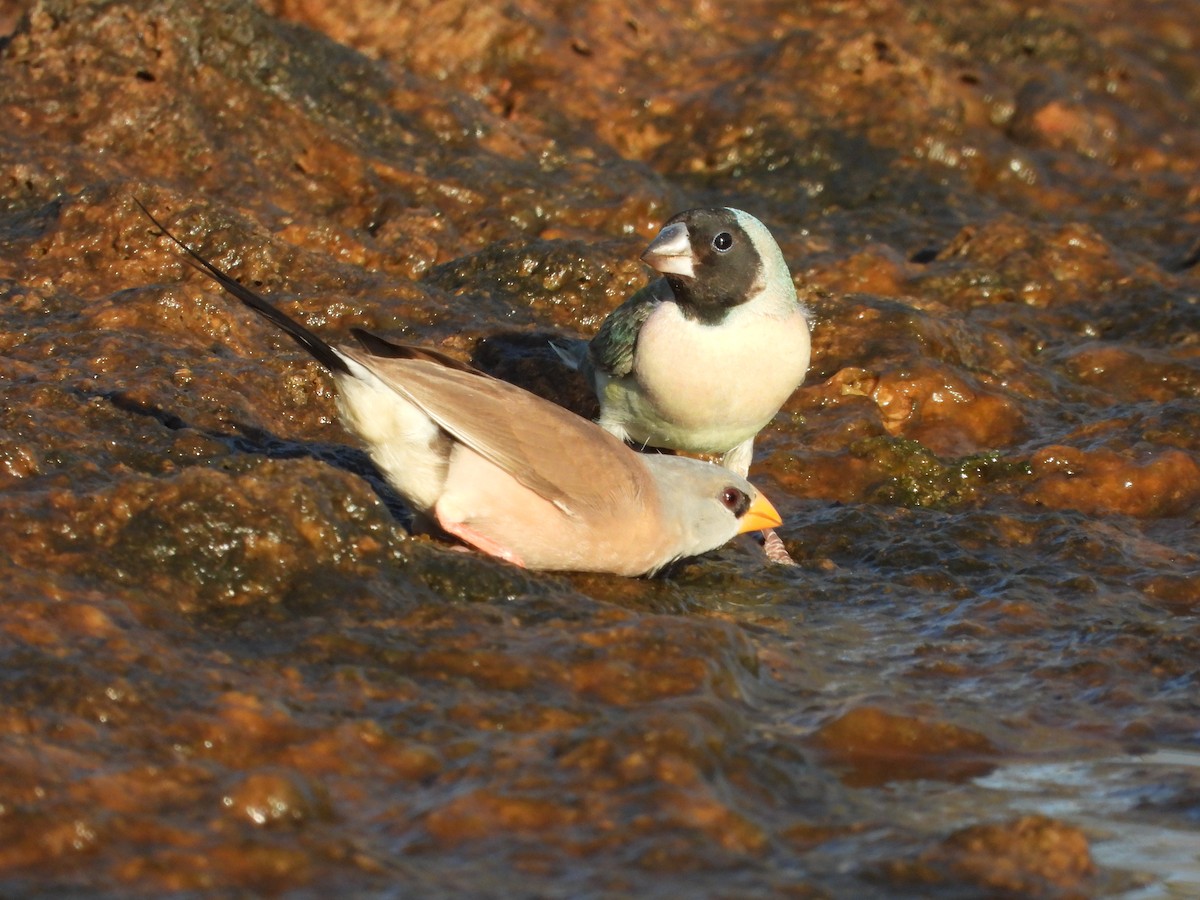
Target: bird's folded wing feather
<point>572,351</point>
<point>383,348</point>
<point>553,452</point>
<point>611,350</point>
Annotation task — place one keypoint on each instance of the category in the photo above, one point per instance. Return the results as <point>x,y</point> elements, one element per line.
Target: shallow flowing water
<point>227,666</point>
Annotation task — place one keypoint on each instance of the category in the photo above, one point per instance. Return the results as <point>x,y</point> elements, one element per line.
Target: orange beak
<point>760,516</point>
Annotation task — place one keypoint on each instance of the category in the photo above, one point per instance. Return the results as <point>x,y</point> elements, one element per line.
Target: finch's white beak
<point>671,252</point>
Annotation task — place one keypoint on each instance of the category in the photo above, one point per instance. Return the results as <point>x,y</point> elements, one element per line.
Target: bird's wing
<point>382,348</point>
<point>572,352</point>
<point>560,456</point>
<point>611,350</point>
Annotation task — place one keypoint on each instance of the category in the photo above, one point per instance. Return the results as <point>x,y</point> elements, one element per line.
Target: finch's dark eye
<point>722,242</point>
<point>735,501</point>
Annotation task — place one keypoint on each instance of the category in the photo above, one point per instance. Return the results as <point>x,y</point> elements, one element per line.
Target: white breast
<point>707,388</point>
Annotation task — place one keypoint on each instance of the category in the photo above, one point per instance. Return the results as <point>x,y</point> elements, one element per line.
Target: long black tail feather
<point>321,351</point>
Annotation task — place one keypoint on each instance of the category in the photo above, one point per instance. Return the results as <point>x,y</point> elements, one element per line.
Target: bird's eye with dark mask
<point>735,501</point>
<point>723,242</point>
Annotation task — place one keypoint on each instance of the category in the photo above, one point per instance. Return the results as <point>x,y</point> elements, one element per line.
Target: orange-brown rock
<point>876,746</point>
<point>1164,483</point>
<point>1033,856</point>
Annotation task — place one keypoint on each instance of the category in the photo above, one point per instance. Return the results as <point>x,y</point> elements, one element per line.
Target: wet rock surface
<point>229,668</point>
